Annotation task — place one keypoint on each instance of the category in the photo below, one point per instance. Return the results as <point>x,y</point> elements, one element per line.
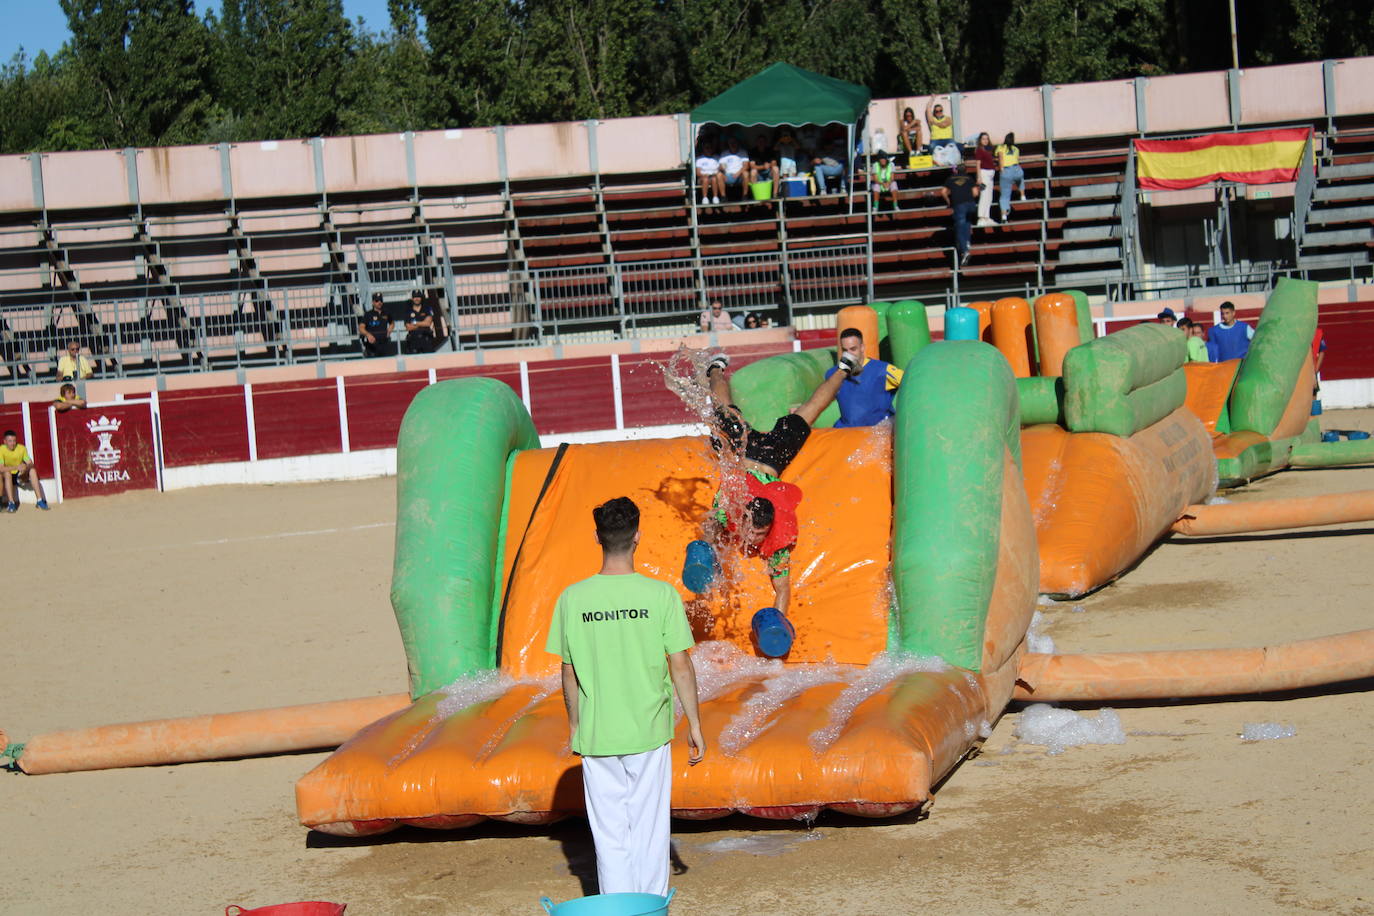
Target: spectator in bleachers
<point>67,399</point>
<point>883,182</point>
<point>752,321</point>
<point>18,471</point>
<point>9,351</point>
<point>763,162</point>
<point>828,167</point>
<point>910,134</point>
<point>1197,346</point>
<point>710,176</point>
<point>987,168</point>
<point>1009,162</point>
<point>959,193</point>
<point>716,318</point>
<point>1168,317</point>
<point>941,134</point>
<point>375,329</point>
<point>1231,338</point>
<point>732,163</point>
<point>72,365</point>
<point>789,154</point>
<point>420,336</point>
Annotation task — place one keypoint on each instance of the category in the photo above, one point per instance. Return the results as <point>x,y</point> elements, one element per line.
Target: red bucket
<point>306,908</point>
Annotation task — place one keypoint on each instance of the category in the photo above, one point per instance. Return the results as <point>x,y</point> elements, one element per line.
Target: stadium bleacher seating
<point>261,254</point>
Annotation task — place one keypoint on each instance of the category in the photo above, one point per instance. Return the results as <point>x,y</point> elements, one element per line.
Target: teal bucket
<point>611,905</point>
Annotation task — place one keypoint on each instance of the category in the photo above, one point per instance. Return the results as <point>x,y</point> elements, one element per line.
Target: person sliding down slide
<point>754,510</point>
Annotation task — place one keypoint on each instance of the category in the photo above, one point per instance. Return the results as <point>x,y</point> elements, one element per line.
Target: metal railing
<point>1303,193</point>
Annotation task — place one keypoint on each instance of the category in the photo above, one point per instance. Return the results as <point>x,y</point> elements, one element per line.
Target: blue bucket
<point>1356,434</point>
<point>699,567</point>
<point>1331,435</point>
<point>611,905</point>
<point>1316,408</point>
<point>773,633</point>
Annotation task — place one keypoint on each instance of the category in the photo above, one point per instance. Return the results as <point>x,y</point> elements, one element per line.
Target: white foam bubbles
<point>1266,731</point>
<point>1056,729</point>
<point>1037,641</point>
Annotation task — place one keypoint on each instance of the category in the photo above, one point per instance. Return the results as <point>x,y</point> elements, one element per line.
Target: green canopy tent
<point>783,94</point>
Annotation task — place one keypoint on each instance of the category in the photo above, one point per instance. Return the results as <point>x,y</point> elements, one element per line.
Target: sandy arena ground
<point>144,606</point>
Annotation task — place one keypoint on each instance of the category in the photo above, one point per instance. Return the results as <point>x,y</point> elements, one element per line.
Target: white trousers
<point>627,804</point>
<point>985,195</point>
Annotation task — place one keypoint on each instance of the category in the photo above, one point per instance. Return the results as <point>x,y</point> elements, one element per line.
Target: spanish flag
<point>1250,157</point>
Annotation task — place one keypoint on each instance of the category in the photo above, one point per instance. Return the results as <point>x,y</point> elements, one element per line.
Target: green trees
<point>154,72</point>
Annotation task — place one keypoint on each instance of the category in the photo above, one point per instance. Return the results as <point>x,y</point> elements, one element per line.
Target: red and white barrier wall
<point>331,428</point>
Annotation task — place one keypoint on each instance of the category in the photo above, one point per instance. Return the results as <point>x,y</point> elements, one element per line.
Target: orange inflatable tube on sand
<point>209,737</point>
<point>1273,514</point>
<point>1196,672</point>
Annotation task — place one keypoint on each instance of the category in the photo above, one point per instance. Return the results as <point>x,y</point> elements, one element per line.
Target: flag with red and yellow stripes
<point>1249,157</point>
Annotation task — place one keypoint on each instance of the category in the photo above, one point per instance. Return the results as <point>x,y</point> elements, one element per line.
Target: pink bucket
<point>306,908</point>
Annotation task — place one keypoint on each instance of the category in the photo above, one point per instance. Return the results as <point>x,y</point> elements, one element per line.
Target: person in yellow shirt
<point>1009,161</point>
<point>941,126</point>
<point>67,399</point>
<point>18,471</point>
<point>72,365</point>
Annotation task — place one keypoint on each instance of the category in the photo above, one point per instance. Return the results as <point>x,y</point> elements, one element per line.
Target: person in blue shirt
<point>866,395</point>
<point>1231,338</point>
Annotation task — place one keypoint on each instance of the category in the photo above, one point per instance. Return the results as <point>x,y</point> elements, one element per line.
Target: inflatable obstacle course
<point>993,482</point>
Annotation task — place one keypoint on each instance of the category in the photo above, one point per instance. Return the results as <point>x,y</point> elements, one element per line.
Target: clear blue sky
<point>39,25</point>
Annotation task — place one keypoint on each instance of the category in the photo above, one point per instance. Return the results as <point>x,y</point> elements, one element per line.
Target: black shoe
<point>848,364</point>
<point>720,361</point>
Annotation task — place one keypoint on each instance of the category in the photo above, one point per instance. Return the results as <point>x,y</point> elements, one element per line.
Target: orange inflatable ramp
<point>1209,387</point>
<point>784,739</point>
<point>1100,501</point>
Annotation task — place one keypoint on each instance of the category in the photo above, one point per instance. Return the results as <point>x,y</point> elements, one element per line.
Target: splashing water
<point>883,670</point>
<point>754,716</point>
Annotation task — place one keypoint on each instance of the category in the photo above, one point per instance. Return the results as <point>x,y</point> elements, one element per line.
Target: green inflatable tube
<point>1270,369</point>
<point>1085,314</point>
<point>451,458</point>
<point>1042,400</point>
<point>908,330</point>
<point>956,419</point>
<point>771,387</point>
<point>1333,454</point>
<point>1124,382</point>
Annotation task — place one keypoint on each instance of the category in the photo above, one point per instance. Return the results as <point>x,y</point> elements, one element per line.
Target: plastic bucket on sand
<point>761,190</point>
<point>610,905</point>
<point>304,908</point>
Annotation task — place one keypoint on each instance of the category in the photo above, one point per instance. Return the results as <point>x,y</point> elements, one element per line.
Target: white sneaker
<point>985,222</point>
<point>848,364</point>
<point>715,200</point>
<point>720,361</point>
<point>705,200</point>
